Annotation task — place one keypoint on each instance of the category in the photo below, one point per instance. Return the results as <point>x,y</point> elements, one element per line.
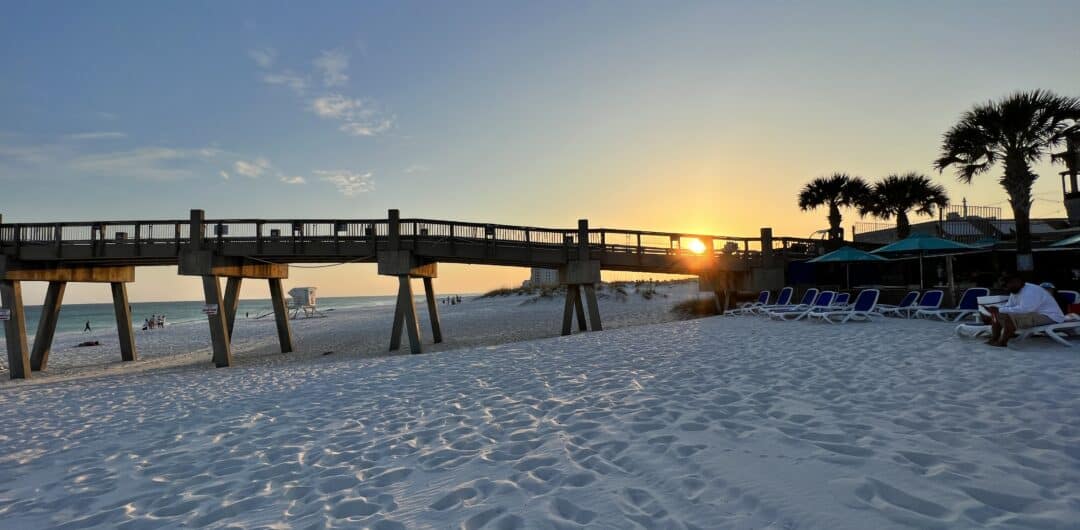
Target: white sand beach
<point>724,422</point>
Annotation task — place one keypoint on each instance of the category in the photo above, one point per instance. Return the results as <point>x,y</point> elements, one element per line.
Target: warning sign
<point>210,309</point>
<point>5,314</point>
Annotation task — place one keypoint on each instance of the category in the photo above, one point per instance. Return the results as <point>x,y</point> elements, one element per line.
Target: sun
<point>696,246</point>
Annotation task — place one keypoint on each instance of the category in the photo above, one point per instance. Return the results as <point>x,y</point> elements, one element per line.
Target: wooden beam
<point>412,323</point>
<point>433,310</point>
<point>594,307</point>
<point>579,308</point>
<point>50,315</point>
<point>22,271</point>
<point>15,330</point>
<point>126,333</point>
<point>219,333</point>
<point>281,315</point>
<point>232,301</point>
<point>568,309</point>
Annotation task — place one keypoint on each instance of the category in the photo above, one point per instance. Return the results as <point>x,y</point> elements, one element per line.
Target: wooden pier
<point>238,249</point>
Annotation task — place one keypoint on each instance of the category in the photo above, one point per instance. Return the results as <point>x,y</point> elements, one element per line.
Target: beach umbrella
<point>847,256</point>
<point>920,244</point>
<point>1067,241</point>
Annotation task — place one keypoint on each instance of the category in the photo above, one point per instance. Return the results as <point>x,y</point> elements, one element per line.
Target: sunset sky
<point>673,116</point>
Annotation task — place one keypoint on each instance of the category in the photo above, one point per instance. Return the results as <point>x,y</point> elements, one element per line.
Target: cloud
<point>264,57</point>
<point>332,65</point>
<point>105,115</point>
<point>293,180</point>
<point>349,183</point>
<point>417,168</point>
<point>360,118</point>
<point>99,135</point>
<point>224,174</point>
<point>156,163</point>
<point>288,79</point>
<point>253,169</point>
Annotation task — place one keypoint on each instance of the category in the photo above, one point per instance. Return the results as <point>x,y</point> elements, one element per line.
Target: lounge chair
<point>931,301</point>
<point>968,306</point>
<point>861,310</point>
<point>782,301</point>
<point>821,303</point>
<point>841,300</point>
<point>748,307</point>
<point>901,309</point>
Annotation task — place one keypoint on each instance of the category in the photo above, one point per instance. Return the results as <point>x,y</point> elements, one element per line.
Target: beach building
<point>541,278</point>
<point>982,225</point>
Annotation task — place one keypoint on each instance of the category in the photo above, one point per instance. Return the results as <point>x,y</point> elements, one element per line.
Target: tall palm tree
<point>1016,132</point>
<point>896,195</point>
<point>835,191</point>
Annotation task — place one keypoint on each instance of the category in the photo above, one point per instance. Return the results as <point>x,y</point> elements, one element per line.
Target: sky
<point>669,116</point>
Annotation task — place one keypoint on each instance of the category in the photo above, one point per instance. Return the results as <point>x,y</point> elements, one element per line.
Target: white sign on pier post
<point>210,309</point>
<point>5,314</point>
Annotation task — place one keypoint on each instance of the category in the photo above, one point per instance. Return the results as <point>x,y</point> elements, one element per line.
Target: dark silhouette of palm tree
<point>835,191</point>
<point>896,195</point>
<point>1015,132</point>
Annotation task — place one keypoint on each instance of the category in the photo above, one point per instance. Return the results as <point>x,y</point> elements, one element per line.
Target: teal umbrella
<point>921,244</point>
<point>1067,241</point>
<point>847,255</point>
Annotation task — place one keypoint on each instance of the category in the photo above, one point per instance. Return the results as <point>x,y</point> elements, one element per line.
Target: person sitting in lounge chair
<point>1029,306</point>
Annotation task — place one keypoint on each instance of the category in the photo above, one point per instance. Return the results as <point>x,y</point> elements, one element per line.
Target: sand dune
<point>715,423</point>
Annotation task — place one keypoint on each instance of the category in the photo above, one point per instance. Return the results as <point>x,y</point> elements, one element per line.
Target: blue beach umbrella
<point>847,256</point>
<point>921,244</point>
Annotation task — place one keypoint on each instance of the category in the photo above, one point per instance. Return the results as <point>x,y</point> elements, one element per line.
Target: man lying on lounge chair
<point>1029,306</point>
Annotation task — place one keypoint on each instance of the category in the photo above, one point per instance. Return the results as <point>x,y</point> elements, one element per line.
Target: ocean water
<point>73,317</point>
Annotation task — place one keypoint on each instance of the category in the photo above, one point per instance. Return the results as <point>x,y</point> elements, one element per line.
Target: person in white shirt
<point>1029,306</point>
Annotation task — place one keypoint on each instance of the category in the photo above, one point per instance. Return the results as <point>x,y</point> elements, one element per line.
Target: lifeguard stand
<point>304,301</point>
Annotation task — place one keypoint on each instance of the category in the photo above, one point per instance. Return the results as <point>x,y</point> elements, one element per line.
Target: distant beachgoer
<point>247,314</point>
<point>87,328</point>
<point>146,324</point>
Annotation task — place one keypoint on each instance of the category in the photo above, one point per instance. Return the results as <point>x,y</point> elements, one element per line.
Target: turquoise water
<point>73,317</point>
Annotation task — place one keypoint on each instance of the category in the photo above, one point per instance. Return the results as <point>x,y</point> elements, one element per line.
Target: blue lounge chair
<point>841,300</point>
<point>861,310</point>
<point>969,305</point>
<point>782,300</point>
<point>748,307</point>
<point>821,303</point>
<point>901,309</point>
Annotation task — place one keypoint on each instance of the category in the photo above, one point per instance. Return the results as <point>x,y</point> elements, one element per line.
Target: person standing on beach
<point>87,328</point>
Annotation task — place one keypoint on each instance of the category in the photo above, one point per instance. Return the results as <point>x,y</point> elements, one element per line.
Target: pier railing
<point>175,234</point>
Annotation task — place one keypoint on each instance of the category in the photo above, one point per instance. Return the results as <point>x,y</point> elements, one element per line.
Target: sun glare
<point>696,246</point>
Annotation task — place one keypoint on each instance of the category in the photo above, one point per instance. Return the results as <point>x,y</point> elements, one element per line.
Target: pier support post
<point>15,329</point>
<point>405,316</point>
<point>433,310</point>
<point>219,332</point>
<point>50,315</point>
<point>579,308</point>
<point>580,279</point>
<point>232,301</point>
<point>123,322</point>
<point>281,314</point>
<point>594,307</point>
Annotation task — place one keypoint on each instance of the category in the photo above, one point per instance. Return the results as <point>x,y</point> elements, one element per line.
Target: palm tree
<point>835,191</point>
<point>1016,132</point>
<point>896,195</point>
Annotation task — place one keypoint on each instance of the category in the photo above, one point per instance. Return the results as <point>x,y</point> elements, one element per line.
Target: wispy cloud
<point>357,117</point>
<point>97,135</point>
<point>252,169</point>
<point>224,174</point>
<point>288,79</point>
<point>332,64</point>
<point>264,57</point>
<point>155,163</point>
<point>348,183</point>
<point>417,168</point>
<point>293,180</point>
<point>360,117</point>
